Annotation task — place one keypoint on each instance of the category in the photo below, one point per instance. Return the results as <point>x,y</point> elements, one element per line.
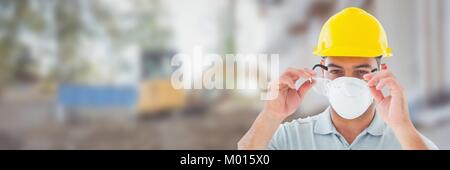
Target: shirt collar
<point>377,125</point>
<point>324,125</point>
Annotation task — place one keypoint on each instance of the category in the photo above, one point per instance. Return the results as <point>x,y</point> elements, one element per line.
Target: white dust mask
<point>350,97</point>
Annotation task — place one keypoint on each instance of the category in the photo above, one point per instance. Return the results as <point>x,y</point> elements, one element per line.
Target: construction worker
<point>351,44</point>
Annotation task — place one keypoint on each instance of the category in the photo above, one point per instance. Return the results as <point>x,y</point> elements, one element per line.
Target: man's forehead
<point>350,61</point>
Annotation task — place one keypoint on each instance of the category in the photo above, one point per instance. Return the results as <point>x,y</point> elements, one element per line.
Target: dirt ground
<point>28,121</point>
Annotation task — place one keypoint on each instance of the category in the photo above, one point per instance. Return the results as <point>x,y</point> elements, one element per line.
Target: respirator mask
<point>350,97</point>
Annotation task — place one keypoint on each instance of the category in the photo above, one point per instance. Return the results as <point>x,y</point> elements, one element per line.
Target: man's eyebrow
<point>334,65</point>
<point>362,66</point>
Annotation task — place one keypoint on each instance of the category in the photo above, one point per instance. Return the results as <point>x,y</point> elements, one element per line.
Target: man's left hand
<point>394,108</point>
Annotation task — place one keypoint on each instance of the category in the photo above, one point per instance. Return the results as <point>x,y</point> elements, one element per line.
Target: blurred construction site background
<point>95,74</point>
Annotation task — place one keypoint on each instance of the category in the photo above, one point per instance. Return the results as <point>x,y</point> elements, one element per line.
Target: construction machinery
<point>156,96</point>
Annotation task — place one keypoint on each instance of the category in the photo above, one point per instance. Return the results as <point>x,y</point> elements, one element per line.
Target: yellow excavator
<point>156,95</point>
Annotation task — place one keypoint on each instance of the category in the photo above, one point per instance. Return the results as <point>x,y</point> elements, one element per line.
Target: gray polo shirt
<point>318,132</point>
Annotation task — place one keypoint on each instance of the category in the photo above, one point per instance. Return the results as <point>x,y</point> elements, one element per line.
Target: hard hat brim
<point>352,52</point>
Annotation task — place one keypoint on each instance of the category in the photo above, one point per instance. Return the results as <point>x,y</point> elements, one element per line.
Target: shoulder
<point>300,124</point>
<point>294,134</point>
<point>389,135</point>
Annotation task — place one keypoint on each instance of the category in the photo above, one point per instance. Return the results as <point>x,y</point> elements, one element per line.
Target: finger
<point>382,83</point>
<point>384,115</point>
<point>273,90</point>
<point>286,80</point>
<point>298,73</point>
<point>304,88</point>
<point>391,84</point>
<point>368,76</point>
<point>294,73</point>
<point>377,94</point>
<point>273,85</point>
<point>310,71</point>
<point>377,76</point>
<point>276,85</point>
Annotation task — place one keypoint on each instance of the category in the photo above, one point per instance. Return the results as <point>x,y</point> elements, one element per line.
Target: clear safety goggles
<point>321,83</point>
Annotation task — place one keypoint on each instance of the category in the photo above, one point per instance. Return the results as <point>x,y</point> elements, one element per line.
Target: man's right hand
<point>288,98</point>
<point>275,111</point>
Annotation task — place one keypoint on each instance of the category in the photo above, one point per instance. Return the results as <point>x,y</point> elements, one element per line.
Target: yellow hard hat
<point>352,33</point>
